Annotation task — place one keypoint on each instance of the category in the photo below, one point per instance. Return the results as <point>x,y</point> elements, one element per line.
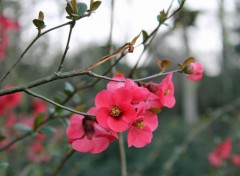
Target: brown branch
<point>56,104</point>
<point>67,46</point>
<point>15,141</point>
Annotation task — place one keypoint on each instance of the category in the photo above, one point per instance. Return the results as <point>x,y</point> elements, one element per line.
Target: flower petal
<point>83,145</point>
<point>103,99</point>
<point>139,137</point>
<point>117,125</point>
<point>102,117</point>
<point>100,144</point>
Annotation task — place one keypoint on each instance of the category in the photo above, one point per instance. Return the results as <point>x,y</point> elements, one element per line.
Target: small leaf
<point>188,61</point>
<point>69,9</point>
<point>164,64</point>
<point>135,39</point>
<point>39,23</point>
<point>47,130</point>
<point>22,127</point>
<point>38,120</point>
<point>82,8</point>
<point>69,89</point>
<point>145,35</point>
<point>162,17</point>
<point>41,16</point>
<point>95,5</point>
<point>57,100</point>
<point>4,165</point>
<point>2,137</point>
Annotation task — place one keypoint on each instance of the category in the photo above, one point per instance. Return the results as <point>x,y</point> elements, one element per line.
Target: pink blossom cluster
<point>223,152</point>
<point>123,106</point>
<point>6,24</point>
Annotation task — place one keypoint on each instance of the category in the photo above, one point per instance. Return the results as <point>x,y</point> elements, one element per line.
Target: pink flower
<point>7,23</point>
<point>236,160</point>
<point>113,85</point>
<point>115,110</point>
<point>36,152</point>
<point>161,94</point>
<point>9,101</point>
<point>138,93</point>
<point>195,71</point>
<point>220,153</point>
<point>140,132</point>
<point>85,135</point>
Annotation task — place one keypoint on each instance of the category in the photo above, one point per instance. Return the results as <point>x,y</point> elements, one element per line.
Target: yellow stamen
<point>167,92</point>
<point>115,111</point>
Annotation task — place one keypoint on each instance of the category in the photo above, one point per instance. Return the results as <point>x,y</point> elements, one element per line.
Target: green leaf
<point>162,17</point>
<point>188,61</point>
<point>95,5</point>
<point>2,137</point>
<point>57,100</point>
<point>47,130</point>
<point>145,35</point>
<point>38,120</point>
<point>39,23</point>
<point>164,64</point>
<point>69,9</point>
<point>82,8</point>
<point>22,127</point>
<point>4,165</point>
<point>69,89</point>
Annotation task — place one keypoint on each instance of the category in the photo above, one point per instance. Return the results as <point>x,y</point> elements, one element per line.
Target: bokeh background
<point>206,112</point>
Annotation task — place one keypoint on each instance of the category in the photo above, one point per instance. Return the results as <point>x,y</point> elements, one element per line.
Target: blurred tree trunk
<point>226,63</point>
<point>190,112</point>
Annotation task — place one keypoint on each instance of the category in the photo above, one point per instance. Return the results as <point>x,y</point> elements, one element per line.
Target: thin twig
<point>64,75</point>
<point>67,46</point>
<point>15,141</point>
<point>56,104</point>
<point>122,155</point>
<point>64,160</point>
<point>29,46</point>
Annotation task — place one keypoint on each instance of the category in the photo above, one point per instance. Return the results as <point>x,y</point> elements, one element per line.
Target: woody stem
<point>122,155</point>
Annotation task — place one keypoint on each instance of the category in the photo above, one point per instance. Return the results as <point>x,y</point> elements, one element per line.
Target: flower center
<point>167,92</point>
<point>139,124</point>
<point>115,111</point>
